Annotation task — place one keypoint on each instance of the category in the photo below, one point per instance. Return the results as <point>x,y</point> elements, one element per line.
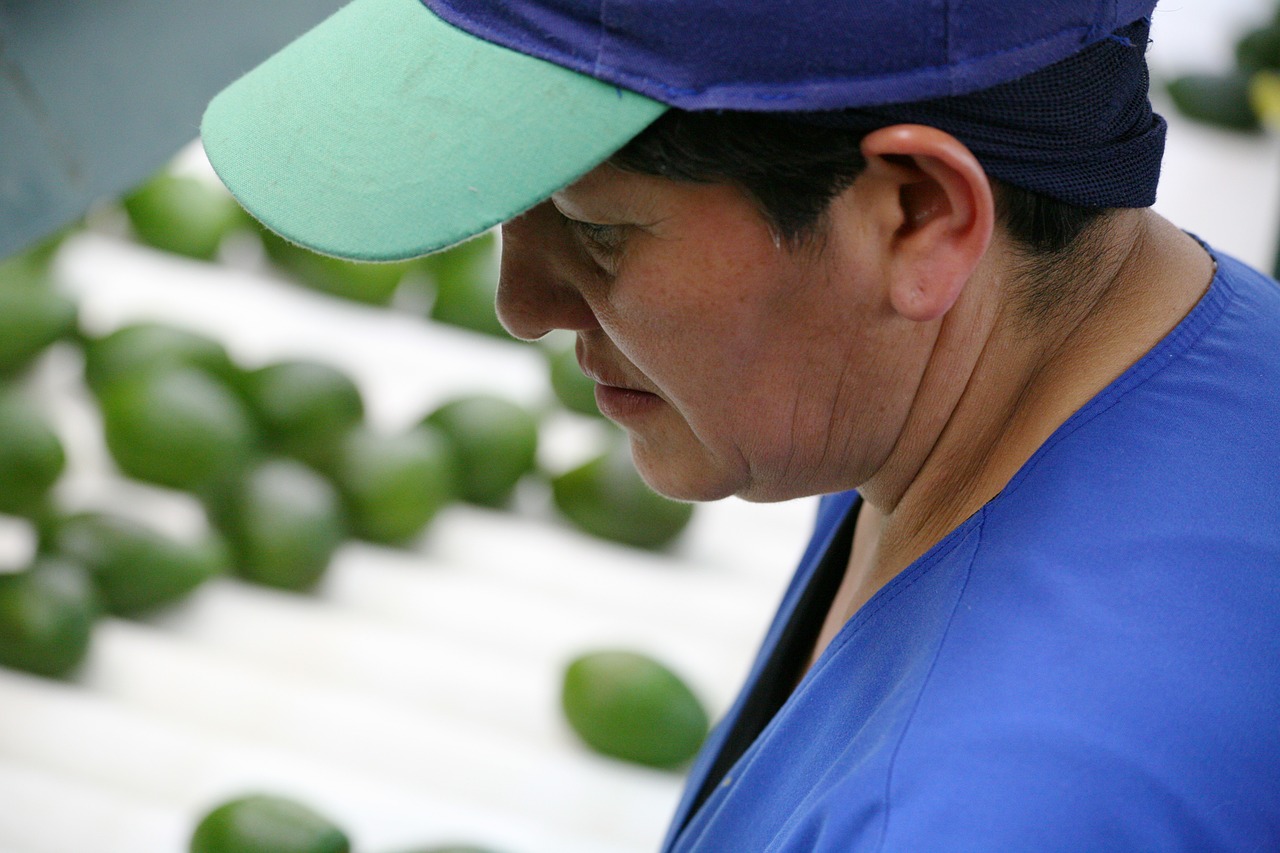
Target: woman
<point>808,248</point>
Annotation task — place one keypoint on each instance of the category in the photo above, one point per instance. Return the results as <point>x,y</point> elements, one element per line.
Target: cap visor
<point>386,133</point>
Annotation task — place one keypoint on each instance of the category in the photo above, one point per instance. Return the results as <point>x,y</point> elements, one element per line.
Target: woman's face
<point>738,366</point>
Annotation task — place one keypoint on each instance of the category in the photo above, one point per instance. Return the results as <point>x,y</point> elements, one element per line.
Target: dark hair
<point>790,170</point>
<point>793,169</point>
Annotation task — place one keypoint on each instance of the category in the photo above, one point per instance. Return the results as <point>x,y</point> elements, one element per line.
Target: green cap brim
<point>387,133</point>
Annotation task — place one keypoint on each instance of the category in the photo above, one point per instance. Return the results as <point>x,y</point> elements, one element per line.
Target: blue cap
<point>398,127</point>
<point>795,55</point>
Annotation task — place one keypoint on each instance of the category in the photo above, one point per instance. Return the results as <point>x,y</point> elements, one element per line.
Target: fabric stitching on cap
<point>1099,30</point>
<point>776,93</point>
<point>497,37</point>
<point>835,82</point>
<point>947,29</point>
<point>602,16</point>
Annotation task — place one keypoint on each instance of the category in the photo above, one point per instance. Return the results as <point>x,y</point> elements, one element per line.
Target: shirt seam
<point>852,628</point>
<point>846,634</point>
<point>1181,340</point>
<point>790,604</point>
<point>937,653</point>
<point>907,580</point>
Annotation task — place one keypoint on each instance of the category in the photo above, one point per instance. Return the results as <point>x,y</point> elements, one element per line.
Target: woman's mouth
<point>620,404</point>
<point>616,397</point>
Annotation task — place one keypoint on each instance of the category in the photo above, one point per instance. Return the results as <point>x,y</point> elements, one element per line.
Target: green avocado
<point>47,613</point>
<point>630,706</point>
<point>265,823</point>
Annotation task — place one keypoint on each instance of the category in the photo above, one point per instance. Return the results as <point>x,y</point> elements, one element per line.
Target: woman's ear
<point>940,215</point>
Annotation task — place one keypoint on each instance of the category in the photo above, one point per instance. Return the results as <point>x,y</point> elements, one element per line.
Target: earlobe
<point>945,216</point>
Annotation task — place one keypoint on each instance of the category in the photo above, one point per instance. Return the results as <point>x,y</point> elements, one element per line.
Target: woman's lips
<point>621,404</point>
<point>618,399</point>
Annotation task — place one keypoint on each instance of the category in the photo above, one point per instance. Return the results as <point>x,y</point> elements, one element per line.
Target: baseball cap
<point>399,127</point>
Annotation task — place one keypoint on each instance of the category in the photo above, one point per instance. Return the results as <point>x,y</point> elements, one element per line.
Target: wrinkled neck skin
<point>992,393</point>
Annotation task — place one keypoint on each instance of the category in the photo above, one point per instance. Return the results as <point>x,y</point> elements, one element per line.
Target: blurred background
<point>294,619</point>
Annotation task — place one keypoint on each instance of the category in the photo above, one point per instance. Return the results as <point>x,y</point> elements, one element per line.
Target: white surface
<point>413,697</point>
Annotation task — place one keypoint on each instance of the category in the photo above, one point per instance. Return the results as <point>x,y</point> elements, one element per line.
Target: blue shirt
<point>1090,662</point>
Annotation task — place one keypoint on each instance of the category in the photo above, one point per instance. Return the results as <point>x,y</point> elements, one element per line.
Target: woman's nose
<point>536,293</point>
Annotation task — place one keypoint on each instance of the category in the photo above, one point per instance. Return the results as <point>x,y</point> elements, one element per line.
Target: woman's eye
<point>605,239</point>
